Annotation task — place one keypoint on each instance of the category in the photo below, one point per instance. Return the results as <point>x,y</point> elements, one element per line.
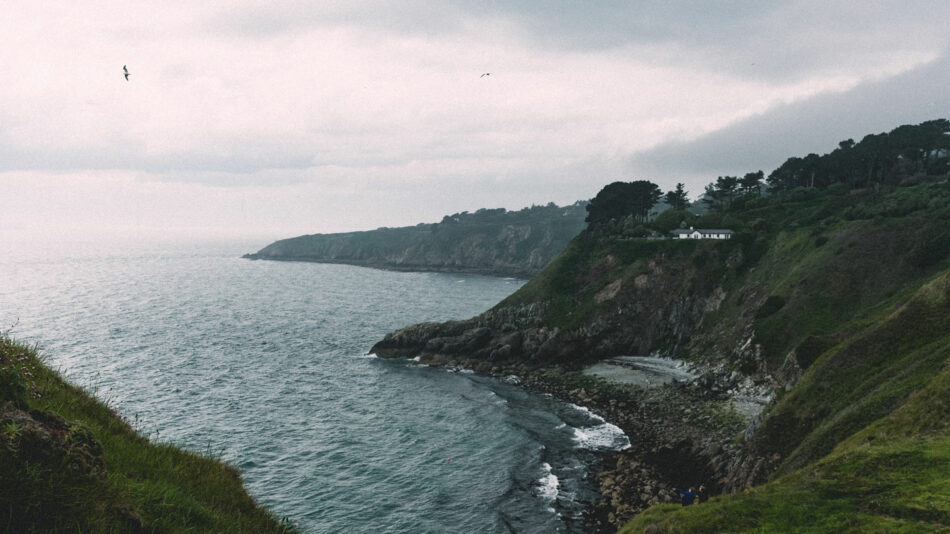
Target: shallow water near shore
<point>263,364</point>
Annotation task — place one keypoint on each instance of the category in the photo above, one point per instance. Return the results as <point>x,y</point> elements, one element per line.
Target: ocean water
<point>264,364</point>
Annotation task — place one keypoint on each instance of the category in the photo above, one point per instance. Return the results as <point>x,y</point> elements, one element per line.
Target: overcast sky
<point>273,119</point>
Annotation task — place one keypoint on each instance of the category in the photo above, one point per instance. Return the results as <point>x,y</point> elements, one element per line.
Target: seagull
<point>126,72</point>
<point>486,74</point>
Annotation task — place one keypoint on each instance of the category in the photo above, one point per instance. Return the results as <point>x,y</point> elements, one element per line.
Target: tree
<point>620,199</point>
<point>751,182</point>
<point>677,198</point>
<point>714,198</point>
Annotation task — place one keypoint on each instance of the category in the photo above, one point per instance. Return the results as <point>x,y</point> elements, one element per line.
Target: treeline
<point>906,154</point>
<point>502,216</point>
<point>884,158</point>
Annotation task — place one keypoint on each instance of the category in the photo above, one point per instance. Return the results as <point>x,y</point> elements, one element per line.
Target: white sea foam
<point>547,484</point>
<point>417,358</point>
<point>601,437</point>
<point>587,412</point>
<point>370,355</point>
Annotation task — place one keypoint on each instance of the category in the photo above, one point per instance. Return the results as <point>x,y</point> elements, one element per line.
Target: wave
<point>601,437</point>
<point>548,485</point>
<point>586,411</point>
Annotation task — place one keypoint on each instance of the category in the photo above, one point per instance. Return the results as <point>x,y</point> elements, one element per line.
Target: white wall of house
<point>696,234</point>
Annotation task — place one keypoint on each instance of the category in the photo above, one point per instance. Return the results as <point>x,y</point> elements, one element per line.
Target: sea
<point>266,365</point>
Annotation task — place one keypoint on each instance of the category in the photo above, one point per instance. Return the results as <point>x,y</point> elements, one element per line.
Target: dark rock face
<point>59,454</point>
<point>634,316</point>
<point>43,438</point>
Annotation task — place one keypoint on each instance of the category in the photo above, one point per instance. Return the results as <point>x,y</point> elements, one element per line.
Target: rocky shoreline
<point>681,436</point>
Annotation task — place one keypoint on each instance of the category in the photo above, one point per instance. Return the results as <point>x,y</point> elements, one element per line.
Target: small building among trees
<point>700,233</point>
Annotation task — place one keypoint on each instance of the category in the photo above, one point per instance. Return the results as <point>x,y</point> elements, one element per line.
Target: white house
<point>692,233</point>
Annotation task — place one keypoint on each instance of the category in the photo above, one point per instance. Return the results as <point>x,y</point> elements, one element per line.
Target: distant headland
<point>489,241</point>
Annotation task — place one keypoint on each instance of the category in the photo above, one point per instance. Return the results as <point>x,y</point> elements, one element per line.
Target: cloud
<point>814,125</point>
<point>348,102</point>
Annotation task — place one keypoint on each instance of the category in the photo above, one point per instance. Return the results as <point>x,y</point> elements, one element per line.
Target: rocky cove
<point>681,435</point>
<point>683,425</point>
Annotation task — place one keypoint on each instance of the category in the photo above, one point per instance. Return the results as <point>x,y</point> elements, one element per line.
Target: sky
<point>265,120</point>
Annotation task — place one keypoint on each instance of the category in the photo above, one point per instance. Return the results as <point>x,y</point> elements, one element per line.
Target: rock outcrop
<point>42,438</point>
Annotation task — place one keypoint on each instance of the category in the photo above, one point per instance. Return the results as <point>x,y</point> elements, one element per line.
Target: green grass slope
<point>892,476</point>
<point>69,463</point>
<point>861,443</point>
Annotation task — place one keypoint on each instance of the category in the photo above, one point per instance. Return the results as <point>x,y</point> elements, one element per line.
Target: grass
<point>863,438</point>
<point>892,476</point>
<point>147,486</point>
<point>861,379</point>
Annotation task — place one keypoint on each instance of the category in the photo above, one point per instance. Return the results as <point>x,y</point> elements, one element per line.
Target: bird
<point>126,70</point>
<point>485,74</point>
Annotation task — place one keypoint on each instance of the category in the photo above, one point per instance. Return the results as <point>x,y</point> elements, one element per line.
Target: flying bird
<point>126,70</point>
<point>486,74</point>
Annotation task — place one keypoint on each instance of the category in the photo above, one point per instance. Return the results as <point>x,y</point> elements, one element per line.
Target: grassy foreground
<point>69,463</point>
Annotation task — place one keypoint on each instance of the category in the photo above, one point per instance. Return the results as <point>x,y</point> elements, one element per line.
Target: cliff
<point>489,241</point>
<point>70,464</point>
<point>827,310</point>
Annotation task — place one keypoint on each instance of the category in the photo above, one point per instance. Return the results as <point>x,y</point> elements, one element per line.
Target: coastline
<point>670,445</point>
<point>516,273</point>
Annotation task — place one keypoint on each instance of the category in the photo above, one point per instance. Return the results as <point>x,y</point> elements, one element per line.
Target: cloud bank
<point>380,109</point>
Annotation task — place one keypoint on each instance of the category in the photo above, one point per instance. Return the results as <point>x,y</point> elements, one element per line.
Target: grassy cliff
<point>860,444</point>
<point>69,463</point>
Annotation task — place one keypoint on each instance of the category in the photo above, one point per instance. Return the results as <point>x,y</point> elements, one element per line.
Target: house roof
<point>700,230</point>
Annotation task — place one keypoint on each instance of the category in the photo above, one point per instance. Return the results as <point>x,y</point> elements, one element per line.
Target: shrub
<point>12,388</point>
<point>771,305</point>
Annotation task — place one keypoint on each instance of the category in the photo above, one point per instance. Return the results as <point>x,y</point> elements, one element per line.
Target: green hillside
<point>69,463</point>
<point>862,442</point>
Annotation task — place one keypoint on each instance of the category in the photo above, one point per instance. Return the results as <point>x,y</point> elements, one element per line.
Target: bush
<point>771,305</point>
<point>801,194</point>
<point>671,220</point>
<point>837,189</point>
<point>12,388</point>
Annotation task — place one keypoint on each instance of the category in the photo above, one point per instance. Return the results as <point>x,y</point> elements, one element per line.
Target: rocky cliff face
<point>658,308</point>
